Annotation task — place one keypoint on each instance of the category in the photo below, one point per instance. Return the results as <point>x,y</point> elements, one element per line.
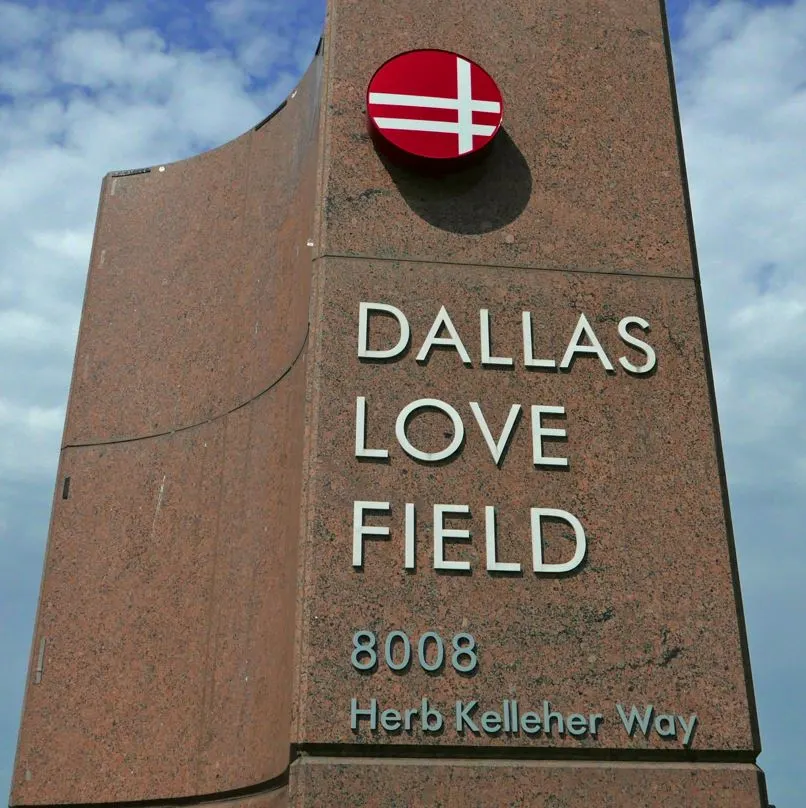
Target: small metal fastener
<point>40,663</point>
<point>129,172</point>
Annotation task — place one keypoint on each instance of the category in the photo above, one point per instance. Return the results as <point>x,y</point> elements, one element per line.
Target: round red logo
<point>434,105</point>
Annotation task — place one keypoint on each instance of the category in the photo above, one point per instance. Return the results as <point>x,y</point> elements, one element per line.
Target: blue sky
<point>88,87</point>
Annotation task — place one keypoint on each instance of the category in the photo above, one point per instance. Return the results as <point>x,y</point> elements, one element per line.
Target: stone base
<point>324,782</point>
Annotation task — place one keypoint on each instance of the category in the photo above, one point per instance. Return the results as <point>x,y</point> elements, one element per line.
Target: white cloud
<point>257,47</point>
<point>20,24</point>
<point>98,58</point>
<point>742,85</point>
<point>742,74</point>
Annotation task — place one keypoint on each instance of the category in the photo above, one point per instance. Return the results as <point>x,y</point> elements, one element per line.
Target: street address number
<point>429,650</point>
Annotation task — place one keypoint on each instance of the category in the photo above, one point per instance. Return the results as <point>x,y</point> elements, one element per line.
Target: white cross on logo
<point>465,104</point>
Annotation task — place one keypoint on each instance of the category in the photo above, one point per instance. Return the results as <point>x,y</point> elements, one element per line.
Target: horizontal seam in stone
<point>525,754</point>
<point>526,267</point>
<point>502,762</point>
<point>212,419</point>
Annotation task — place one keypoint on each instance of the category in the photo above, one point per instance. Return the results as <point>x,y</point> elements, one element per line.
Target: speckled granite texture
<point>373,783</point>
<point>200,598</point>
<point>638,621</point>
<point>587,174</point>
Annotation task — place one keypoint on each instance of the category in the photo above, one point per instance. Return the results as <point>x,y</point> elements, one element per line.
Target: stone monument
<point>384,486</point>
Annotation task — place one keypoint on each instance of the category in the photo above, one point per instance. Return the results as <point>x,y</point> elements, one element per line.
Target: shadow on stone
<point>479,198</point>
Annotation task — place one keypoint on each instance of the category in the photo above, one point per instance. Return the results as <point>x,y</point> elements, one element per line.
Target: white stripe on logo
<point>430,101</point>
<point>463,83</point>
<point>446,127</point>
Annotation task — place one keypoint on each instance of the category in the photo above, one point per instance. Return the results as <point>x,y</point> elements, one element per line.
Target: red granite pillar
<point>214,591</point>
<point>575,229</point>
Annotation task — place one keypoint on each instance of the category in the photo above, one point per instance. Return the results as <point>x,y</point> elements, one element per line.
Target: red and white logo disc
<point>434,104</point>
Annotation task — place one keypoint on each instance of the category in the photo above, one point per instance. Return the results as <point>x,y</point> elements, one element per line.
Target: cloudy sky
<point>89,86</point>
